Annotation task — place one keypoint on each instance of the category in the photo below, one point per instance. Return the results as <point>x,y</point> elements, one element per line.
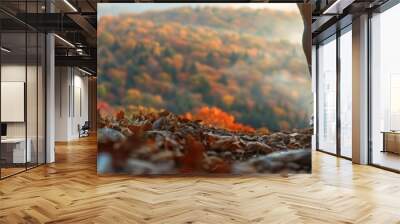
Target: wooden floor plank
<point>69,191</point>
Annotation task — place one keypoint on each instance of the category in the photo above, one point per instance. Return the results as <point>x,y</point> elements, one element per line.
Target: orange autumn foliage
<point>104,108</point>
<point>101,105</point>
<point>217,118</point>
<point>193,159</point>
<point>120,115</point>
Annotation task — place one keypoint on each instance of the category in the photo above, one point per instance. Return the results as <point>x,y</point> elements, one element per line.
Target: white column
<point>50,94</point>
<point>360,90</point>
<point>314,91</point>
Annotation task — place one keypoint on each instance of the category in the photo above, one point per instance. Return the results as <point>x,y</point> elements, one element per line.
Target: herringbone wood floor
<point>70,191</point>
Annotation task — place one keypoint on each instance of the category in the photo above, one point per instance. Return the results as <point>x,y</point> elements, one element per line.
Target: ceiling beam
<point>49,22</point>
<point>337,7</point>
<point>84,24</point>
<point>77,61</point>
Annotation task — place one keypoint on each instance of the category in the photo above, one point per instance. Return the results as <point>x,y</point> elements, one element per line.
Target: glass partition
<point>22,78</point>
<point>346,93</point>
<point>31,98</point>
<point>13,95</point>
<point>385,89</point>
<point>327,95</point>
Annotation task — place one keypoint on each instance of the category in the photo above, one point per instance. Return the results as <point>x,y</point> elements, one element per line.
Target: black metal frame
<point>44,70</point>
<point>369,90</point>
<point>338,98</point>
<point>316,119</point>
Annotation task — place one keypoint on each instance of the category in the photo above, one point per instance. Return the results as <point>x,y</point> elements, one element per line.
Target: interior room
<point>385,89</point>
<point>53,88</point>
<point>22,100</point>
<point>71,103</point>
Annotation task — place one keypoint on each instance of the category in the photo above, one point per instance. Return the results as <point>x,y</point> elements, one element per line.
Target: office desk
<point>13,150</point>
<point>391,141</point>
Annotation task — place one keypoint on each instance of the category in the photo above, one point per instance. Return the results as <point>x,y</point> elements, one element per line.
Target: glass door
<point>326,60</point>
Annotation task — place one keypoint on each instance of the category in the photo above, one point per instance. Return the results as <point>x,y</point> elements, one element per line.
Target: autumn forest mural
<point>206,88</point>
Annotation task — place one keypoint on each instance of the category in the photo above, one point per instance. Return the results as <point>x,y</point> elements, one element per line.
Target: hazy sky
<point>117,8</point>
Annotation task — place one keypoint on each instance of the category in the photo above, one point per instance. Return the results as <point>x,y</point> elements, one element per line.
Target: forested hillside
<point>242,62</point>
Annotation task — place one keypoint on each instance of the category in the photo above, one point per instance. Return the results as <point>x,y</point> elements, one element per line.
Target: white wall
<point>71,94</point>
<point>80,111</point>
<point>33,127</point>
<point>16,73</point>
<point>61,103</point>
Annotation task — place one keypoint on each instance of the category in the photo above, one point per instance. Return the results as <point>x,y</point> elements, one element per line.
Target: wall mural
<point>203,88</point>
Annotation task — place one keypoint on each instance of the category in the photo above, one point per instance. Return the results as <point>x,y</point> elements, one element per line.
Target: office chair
<point>84,130</point>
